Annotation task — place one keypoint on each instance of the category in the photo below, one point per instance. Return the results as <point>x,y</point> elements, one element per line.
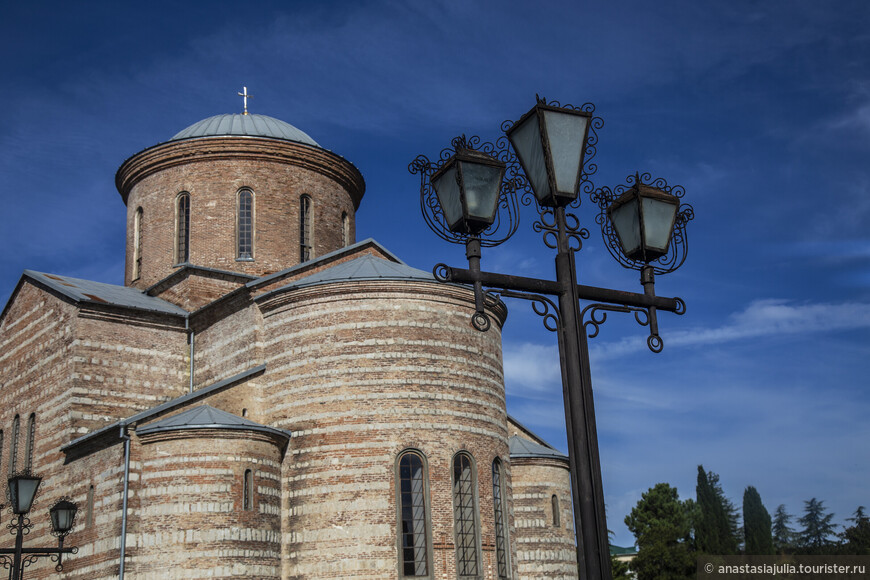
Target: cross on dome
<point>245,96</point>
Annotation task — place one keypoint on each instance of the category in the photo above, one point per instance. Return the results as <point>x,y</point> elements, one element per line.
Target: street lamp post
<point>22,491</point>
<point>472,194</point>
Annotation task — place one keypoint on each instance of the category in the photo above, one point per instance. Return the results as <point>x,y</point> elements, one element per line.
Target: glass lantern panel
<point>626,221</point>
<point>447,189</point>
<point>23,491</point>
<point>61,519</point>
<point>526,140</point>
<point>566,134</point>
<point>482,184</point>
<point>658,223</point>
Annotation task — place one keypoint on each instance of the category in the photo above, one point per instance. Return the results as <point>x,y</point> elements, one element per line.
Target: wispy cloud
<point>768,317</point>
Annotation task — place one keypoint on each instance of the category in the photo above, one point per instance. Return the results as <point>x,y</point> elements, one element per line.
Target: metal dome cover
<point>249,125</point>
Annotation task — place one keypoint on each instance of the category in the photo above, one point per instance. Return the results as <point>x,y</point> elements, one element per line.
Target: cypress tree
<point>756,524</point>
<point>716,528</point>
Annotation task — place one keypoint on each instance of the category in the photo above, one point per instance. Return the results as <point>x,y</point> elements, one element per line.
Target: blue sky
<point>761,110</point>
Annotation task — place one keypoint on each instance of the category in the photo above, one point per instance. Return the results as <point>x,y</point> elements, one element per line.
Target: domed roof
<point>250,125</point>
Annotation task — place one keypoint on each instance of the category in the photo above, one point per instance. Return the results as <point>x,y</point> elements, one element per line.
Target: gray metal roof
<point>207,417</point>
<point>520,447</point>
<point>100,293</point>
<point>365,267</point>
<point>248,125</point>
<point>164,407</point>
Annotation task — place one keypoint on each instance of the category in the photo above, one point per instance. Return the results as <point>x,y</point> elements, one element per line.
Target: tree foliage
<point>716,530</point>
<point>661,525</point>
<point>783,535</point>
<point>856,538</point>
<point>756,524</point>
<point>817,527</point>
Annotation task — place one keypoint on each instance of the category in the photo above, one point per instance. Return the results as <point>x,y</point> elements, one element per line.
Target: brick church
<point>266,397</point>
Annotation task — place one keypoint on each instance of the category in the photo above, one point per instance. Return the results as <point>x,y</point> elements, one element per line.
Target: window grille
<point>246,225</point>
<point>89,516</point>
<point>465,516</point>
<point>182,244</point>
<point>557,519</point>
<point>248,491</point>
<point>414,556</point>
<point>305,229</point>
<point>137,244</point>
<point>498,508</point>
<point>28,445</point>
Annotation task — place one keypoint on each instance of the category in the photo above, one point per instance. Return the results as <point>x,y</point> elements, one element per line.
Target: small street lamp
<point>22,491</point>
<point>472,195</point>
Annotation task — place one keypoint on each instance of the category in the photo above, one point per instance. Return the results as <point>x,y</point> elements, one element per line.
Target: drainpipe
<point>190,336</point>
<point>126,437</point>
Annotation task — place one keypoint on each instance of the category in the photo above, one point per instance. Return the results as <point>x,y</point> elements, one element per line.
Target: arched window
<point>345,229</point>
<point>1,446</point>
<point>13,447</point>
<point>498,505</point>
<point>28,444</point>
<point>306,252</point>
<point>245,226</point>
<point>557,516</point>
<point>248,490</point>
<point>182,228</point>
<point>89,514</point>
<point>465,516</point>
<point>413,519</point>
<point>137,244</point>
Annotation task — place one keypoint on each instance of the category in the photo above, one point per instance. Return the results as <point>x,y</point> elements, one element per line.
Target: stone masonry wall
<point>212,171</point>
<point>360,372</point>
<point>543,549</point>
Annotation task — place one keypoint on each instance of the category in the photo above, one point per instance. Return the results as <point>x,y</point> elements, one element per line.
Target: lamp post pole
<point>643,229</point>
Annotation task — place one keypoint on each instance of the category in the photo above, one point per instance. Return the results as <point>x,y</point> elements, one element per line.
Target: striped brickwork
<point>543,549</point>
<point>190,521</point>
<point>213,170</point>
<point>360,371</point>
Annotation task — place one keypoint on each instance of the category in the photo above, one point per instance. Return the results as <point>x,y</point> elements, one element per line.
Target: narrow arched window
<point>182,228</point>
<point>28,444</point>
<point>499,509</point>
<point>305,210</point>
<point>13,447</point>
<point>245,225</point>
<point>137,244</point>
<point>413,521</point>
<point>248,490</point>
<point>557,517</point>
<point>345,229</point>
<point>1,447</point>
<point>465,515</point>
<point>89,514</point>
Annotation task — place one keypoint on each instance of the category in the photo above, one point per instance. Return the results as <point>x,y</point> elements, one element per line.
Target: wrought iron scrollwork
<point>542,306</point>
<point>678,247</point>
<point>507,216</point>
<point>598,316</point>
<point>547,224</point>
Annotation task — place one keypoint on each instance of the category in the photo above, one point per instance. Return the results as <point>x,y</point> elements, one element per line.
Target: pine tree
<point>783,535</point>
<point>817,527</point>
<point>716,528</point>
<point>660,523</point>
<point>856,538</point>
<point>756,524</point>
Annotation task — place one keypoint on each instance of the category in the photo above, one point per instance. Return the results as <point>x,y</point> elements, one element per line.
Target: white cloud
<point>767,317</point>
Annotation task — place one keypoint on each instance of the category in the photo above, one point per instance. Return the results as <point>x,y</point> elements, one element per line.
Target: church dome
<point>249,125</point>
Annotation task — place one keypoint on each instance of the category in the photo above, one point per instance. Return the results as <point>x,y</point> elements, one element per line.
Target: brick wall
<point>213,170</point>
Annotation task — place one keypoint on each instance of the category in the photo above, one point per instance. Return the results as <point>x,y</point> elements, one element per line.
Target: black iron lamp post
<point>22,491</point>
<point>642,224</point>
